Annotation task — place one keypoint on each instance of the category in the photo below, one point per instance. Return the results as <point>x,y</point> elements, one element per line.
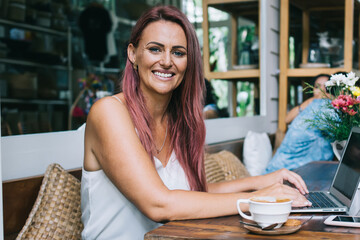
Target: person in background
<point>211,109</point>
<point>144,147</point>
<point>303,144</point>
<point>318,93</point>
<point>95,23</point>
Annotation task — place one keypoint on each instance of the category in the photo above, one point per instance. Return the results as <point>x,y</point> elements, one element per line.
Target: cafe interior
<point>258,58</point>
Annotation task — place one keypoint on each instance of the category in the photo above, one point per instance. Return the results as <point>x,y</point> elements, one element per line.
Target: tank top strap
<point>117,99</point>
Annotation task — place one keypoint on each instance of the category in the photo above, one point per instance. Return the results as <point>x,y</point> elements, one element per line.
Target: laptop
<point>345,183</point>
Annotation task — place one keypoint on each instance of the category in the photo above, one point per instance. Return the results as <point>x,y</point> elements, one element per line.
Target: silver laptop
<point>344,184</point>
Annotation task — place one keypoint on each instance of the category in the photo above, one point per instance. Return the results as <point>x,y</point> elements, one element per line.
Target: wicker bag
<point>223,166</point>
<point>56,213</point>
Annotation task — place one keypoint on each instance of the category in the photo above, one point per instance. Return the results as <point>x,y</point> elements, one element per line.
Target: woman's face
<point>319,88</point>
<point>161,57</point>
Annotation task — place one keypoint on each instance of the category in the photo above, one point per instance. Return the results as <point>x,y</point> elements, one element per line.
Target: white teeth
<point>165,75</point>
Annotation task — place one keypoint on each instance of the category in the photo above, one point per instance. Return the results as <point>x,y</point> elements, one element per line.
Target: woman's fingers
<point>299,200</point>
<point>301,203</point>
<point>299,183</point>
<point>283,191</point>
<point>294,179</point>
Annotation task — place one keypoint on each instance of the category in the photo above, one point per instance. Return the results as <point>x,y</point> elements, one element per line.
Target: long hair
<point>185,117</point>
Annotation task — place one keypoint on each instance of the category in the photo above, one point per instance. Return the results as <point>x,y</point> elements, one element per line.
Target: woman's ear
<point>131,53</point>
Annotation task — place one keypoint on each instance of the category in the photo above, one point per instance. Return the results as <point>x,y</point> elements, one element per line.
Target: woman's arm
<point>239,185</point>
<point>259,182</point>
<point>292,114</point>
<point>110,138</point>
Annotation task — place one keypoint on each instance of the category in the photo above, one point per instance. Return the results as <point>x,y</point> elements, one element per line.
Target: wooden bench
<point>19,195</point>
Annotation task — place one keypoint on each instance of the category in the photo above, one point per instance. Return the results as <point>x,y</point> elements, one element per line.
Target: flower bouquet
<point>344,108</point>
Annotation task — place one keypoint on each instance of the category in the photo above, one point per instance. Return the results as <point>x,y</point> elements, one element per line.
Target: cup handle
<point>251,217</point>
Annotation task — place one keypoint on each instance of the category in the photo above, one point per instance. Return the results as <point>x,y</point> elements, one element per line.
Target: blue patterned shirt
<point>302,144</point>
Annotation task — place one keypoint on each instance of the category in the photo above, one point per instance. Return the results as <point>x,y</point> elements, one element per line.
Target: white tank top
<point>107,214</point>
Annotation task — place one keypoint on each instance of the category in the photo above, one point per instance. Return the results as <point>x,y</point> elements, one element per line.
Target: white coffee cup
<point>266,211</point>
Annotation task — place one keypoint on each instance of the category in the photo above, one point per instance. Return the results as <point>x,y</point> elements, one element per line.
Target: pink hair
<point>185,117</point>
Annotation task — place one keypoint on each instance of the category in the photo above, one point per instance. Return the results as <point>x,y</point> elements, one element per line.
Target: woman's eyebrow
<point>179,46</point>
<point>162,45</point>
<point>156,43</point>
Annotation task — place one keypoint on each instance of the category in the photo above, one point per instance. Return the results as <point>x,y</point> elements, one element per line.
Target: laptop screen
<point>348,174</point>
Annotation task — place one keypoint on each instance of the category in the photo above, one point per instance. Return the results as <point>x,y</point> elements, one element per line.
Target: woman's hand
<point>275,187</point>
<point>279,190</point>
<point>272,184</point>
<point>282,175</point>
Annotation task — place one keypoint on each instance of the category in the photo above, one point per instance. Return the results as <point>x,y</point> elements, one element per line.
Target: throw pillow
<point>56,213</point>
<point>223,166</point>
<point>257,152</point>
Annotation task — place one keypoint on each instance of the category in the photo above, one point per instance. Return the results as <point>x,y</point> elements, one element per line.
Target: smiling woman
<point>160,103</point>
<point>144,147</point>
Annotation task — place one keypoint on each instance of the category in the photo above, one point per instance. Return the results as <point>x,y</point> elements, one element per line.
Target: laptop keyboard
<point>320,200</point>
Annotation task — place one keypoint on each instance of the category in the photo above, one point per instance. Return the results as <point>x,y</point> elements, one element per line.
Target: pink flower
<point>345,103</point>
<point>340,102</point>
<point>351,112</point>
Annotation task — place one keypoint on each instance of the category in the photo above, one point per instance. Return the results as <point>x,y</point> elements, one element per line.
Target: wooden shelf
<point>34,101</point>
<point>311,72</point>
<point>32,64</point>
<point>245,8</point>
<point>32,27</point>
<point>307,7</point>
<point>229,1</point>
<point>28,59</point>
<point>235,74</point>
<point>249,9</point>
<point>318,4</point>
<point>107,70</point>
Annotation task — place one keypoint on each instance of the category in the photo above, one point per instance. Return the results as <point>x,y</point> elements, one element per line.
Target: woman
<point>144,147</point>
<point>303,144</point>
<point>318,93</point>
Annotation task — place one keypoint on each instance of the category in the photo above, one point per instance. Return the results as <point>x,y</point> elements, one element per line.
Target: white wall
<point>30,154</point>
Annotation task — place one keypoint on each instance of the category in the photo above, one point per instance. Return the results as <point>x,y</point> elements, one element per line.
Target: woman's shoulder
<point>114,102</point>
<point>108,109</point>
<point>320,101</point>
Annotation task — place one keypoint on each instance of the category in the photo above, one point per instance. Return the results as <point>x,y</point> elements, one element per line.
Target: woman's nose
<point>166,59</point>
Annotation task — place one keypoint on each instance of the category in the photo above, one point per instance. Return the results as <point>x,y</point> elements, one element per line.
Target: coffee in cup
<point>266,211</point>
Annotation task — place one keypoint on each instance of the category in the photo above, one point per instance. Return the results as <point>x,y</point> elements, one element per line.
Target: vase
<point>338,147</point>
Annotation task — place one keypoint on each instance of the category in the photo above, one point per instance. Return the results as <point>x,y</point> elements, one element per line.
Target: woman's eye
<point>179,53</point>
<point>154,49</point>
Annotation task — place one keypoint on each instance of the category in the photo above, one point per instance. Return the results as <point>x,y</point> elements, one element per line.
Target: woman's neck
<point>157,107</point>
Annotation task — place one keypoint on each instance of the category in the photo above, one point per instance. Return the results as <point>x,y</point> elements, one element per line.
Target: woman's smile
<point>163,75</point>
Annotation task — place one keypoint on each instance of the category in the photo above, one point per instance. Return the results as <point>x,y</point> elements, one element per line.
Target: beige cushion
<point>223,166</point>
<point>56,213</point>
